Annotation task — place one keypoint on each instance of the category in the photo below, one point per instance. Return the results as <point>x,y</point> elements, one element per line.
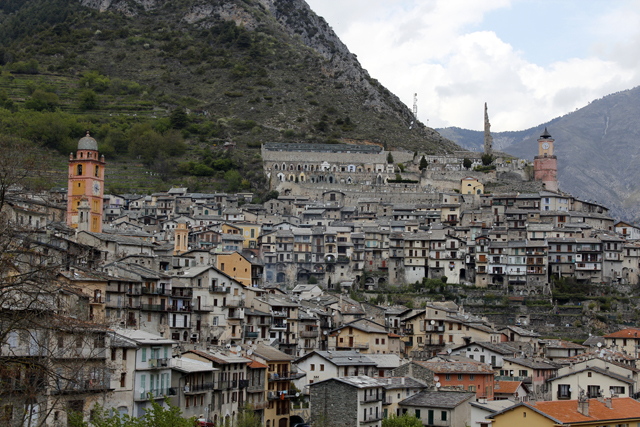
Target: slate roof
<point>342,358</point>
<point>393,383</point>
<point>530,363</point>
<point>598,370</point>
<point>454,367</point>
<point>437,399</point>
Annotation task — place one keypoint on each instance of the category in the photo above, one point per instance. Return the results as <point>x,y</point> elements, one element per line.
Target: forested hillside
<point>162,85</point>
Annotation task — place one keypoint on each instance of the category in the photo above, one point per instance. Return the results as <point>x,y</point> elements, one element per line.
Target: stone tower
<point>86,180</point>
<point>488,139</point>
<point>545,164</point>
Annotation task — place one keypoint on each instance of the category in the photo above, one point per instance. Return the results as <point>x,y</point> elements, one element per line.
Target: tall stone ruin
<point>488,139</point>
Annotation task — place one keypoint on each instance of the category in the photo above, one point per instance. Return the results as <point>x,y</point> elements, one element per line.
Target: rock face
<point>597,149</point>
<point>295,18</point>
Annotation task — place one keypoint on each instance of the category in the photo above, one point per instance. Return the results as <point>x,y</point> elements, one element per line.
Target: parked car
<point>202,422</point>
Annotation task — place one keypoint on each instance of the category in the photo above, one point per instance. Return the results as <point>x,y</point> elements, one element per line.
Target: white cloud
<point>439,49</point>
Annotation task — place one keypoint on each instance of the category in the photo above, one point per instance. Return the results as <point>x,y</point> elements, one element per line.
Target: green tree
<point>401,167</point>
<point>178,118</point>
<point>466,163</point>
<point>487,159</point>
<point>312,280</point>
<point>389,158</point>
<point>247,417</point>
<point>271,195</point>
<point>156,416</point>
<point>42,101</point>
<point>88,100</point>
<point>423,163</point>
<point>405,420</point>
<point>234,180</point>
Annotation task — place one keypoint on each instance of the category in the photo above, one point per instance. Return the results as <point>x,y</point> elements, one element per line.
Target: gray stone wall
<point>334,402</point>
<point>416,371</point>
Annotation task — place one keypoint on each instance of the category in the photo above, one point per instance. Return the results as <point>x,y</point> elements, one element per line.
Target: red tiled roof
<point>391,335</point>
<point>566,411</point>
<point>508,387</point>
<point>256,365</point>
<point>625,333</point>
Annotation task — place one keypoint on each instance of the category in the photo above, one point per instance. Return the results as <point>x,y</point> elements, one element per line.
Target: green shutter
<point>142,385</point>
<point>166,353</point>
<point>144,354</point>
<point>162,384</point>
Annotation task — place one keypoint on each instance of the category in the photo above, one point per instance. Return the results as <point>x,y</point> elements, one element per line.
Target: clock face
<point>545,145</point>
<point>96,188</point>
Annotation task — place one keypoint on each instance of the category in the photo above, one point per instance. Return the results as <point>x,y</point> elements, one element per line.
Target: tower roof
<point>87,143</point>
<point>545,134</point>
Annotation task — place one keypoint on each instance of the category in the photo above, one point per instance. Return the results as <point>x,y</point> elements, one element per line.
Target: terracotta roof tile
<point>508,387</point>
<point>566,411</point>
<point>256,365</point>
<point>625,333</point>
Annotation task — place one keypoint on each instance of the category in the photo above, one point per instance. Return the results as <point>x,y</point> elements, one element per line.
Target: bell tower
<point>86,181</point>
<point>545,164</point>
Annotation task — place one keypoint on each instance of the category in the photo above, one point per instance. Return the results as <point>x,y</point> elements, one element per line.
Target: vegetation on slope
<point>167,86</point>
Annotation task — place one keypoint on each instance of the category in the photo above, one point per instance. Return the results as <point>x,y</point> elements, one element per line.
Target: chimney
<point>607,402</point>
<point>583,406</point>
<point>402,382</point>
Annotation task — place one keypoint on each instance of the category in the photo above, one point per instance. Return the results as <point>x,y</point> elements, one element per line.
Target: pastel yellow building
<point>365,336</point>
<point>470,185</point>
<point>587,413</point>
<point>235,265</point>
<point>250,232</point>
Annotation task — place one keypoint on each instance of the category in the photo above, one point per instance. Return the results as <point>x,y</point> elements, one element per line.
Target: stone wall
<point>416,371</point>
<point>334,402</point>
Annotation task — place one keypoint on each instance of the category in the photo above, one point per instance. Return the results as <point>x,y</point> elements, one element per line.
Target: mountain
<point>247,71</point>
<point>597,148</point>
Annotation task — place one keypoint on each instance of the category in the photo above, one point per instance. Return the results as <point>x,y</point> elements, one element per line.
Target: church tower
<point>86,181</point>
<point>488,139</point>
<point>545,164</point>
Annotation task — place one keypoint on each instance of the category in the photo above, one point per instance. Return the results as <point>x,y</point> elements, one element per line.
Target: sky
<point>531,61</point>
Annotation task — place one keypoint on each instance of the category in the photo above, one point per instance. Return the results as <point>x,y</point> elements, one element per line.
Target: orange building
<point>86,184</point>
<point>545,164</point>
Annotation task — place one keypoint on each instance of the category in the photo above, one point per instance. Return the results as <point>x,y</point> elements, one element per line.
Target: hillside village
<point>372,283</point>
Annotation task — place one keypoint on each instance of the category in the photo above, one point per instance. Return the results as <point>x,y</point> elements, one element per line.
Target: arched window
<point>97,171</point>
<point>79,170</point>
<point>275,166</point>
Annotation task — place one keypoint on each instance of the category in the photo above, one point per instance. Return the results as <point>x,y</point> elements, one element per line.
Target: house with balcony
<point>257,388</point>
<point>396,389</point>
<point>439,408</point>
<point>552,349</point>
<point>486,352</point>
<point>230,381</point>
<point>594,381</point>
<point>363,335</point>
<point>193,382</point>
<point>209,306</point>
<point>152,376</point>
<point>562,256</point>
<point>322,365</point>
<point>348,401</point>
<point>284,324</point>
<point>588,260</point>
<point>534,374</point>
<point>279,378</point>
<point>625,340</point>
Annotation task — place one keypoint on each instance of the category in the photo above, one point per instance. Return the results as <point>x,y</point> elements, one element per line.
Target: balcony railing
<point>182,293</point>
<point>155,291</point>
<point>282,313</point>
<point>219,289</point>
<point>284,376</point>
<point>158,363</point>
<point>199,388</point>
<point>278,327</point>
<point>309,334</point>
<point>371,418</point>
<point>255,388</point>
<point>277,395</point>
<point>370,399</point>
<point>158,393</point>
<point>235,303</point>
<point>251,334</point>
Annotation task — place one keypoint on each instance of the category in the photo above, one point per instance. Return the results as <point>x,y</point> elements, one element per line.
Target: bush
<point>88,100</point>
<point>487,159</point>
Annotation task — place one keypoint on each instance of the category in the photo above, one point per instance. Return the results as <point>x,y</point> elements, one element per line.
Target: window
<point>472,377</point>
<point>144,354</point>
<point>321,367</point>
<point>443,415</point>
<point>563,391</point>
<point>124,354</point>
<point>417,413</point>
<point>459,377</point>
<point>123,379</point>
<point>313,367</point>
<point>447,377</point>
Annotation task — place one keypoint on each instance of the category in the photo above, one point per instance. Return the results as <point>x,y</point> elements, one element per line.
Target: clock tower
<point>545,164</point>
<point>86,186</point>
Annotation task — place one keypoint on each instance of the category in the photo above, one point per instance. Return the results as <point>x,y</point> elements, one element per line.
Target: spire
<point>545,134</point>
<point>488,139</point>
